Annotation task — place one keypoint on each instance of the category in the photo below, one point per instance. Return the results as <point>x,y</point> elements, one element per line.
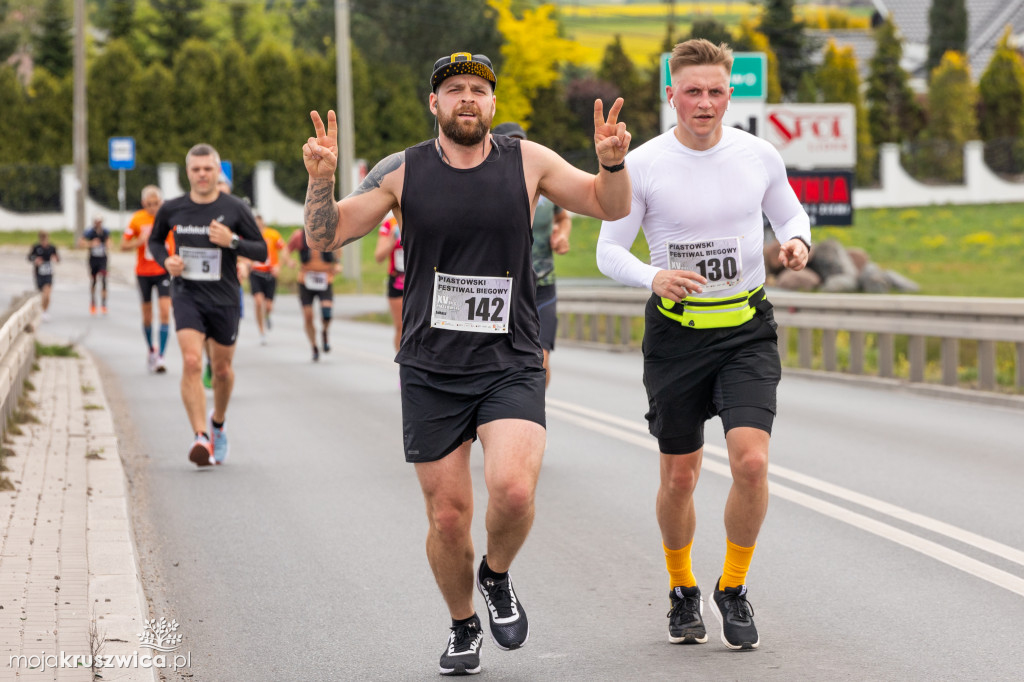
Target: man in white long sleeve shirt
<point>710,346</point>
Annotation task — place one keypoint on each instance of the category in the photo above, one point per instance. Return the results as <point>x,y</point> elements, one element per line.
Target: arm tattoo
<point>321,214</point>
<point>376,176</point>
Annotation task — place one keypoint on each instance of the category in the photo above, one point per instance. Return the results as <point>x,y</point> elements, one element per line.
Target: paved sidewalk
<point>69,575</point>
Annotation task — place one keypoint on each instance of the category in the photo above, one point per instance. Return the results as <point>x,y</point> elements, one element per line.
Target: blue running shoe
<point>220,441</point>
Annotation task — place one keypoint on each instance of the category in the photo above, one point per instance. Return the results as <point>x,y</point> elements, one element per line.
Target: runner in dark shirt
<point>96,238</point>
<point>211,229</point>
<point>42,256</point>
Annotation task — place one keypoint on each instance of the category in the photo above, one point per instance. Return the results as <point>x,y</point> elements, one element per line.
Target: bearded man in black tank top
<point>470,357</point>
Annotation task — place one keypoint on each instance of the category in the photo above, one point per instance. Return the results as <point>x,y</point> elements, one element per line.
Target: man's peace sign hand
<point>320,153</point>
<point>610,137</point>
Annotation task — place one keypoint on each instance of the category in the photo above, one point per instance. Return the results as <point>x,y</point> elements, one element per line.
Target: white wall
<point>898,189</point>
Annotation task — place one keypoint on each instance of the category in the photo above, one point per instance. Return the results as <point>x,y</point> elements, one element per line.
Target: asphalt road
<point>893,547</point>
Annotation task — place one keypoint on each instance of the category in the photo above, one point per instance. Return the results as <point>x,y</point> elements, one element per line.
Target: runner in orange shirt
<point>150,274</point>
<point>263,277</point>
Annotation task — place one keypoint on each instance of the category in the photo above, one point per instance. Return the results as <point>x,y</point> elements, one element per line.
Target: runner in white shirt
<point>710,346</point>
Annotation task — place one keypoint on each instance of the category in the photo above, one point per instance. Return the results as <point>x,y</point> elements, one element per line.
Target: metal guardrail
<point>17,351</point>
<point>612,317</point>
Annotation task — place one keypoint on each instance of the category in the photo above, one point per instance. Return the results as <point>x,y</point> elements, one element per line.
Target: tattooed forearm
<point>376,176</point>
<point>321,214</point>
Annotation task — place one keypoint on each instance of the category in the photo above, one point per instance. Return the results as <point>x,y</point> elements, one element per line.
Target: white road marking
<point>636,434</point>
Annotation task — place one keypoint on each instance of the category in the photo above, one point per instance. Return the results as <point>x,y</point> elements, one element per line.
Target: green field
<point>947,250</point>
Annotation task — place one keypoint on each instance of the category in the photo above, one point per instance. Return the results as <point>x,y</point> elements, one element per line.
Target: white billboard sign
<point>813,135</point>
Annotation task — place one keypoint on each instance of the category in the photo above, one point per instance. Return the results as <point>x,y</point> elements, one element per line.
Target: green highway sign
<point>749,75</point>
<point>748,79</point>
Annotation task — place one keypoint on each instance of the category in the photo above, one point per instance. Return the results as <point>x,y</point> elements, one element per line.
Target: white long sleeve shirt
<point>707,205</point>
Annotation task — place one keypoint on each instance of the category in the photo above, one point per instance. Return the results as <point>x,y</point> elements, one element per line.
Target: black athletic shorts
<point>262,283</point>
<point>43,281</point>
<point>217,322</point>
<point>147,282</point>
<point>440,412</point>
<point>306,296</point>
<point>547,309</point>
<point>692,375</point>
<point>395,291</point>
<point>97,265</point>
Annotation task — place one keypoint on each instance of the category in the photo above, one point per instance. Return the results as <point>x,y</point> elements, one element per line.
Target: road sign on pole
<point>121,153</point>
<point>749,78</point>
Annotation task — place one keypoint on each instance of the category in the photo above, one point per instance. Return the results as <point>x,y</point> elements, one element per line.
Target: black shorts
<point>396,285</point>
<point>547,309</point>
<point>43,281</point>
<point>262,283</point>
<point>306,296</point>
<point>147,282</point>
<point>692,375</point>
<point>217,322</point>
<point>97,265</point>
<point>442,411</point>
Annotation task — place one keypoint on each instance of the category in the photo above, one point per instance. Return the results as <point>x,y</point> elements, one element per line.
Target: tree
<point>198,96</point>
<point>177,22</point>
<point>532,53</point>
<point>788,41</point>
<point>1001,93</point>
<point>893,113</point>
<point>280,126</point>
<point>155,110</point>
<point>8,36</point>
<point>118,17</point>
<point>313,23</point>
<point>418,32</point>
<point>640,91</point>
<point>48,119</point>
<point>952,120</point>
<point>241,108</point>
<point>111,110</point>
<point>947,30</point>
<point>840,82</point>
<point>711,30</point>
<point>53,49</point>
<point>752,40</point>
<point>13,141</point>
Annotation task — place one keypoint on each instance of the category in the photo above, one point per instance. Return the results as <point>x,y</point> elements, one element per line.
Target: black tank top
<point>306,253</point>
<point>473,222</point>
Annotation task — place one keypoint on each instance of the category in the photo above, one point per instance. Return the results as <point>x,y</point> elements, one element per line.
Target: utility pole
<point>79,139</point>
<point>346,130</point>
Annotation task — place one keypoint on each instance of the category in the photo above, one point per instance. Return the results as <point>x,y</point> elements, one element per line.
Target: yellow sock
<point>737,563</point>
<point>680,569</point>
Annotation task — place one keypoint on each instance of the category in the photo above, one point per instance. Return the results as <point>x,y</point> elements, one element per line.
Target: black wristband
<point>614,169</point>
<point>806,243</point>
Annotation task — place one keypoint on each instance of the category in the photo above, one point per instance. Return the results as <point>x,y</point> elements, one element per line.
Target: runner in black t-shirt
<point>96,238</point>
<point>211,229</point>
<point>42,256</point>
<point>470,356</point>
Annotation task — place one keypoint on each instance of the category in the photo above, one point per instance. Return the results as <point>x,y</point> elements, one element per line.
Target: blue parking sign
<point>121,153</point>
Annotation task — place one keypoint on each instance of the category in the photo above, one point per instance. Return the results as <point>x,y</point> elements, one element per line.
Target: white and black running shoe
<point>685,624</point>
<point>736,616</point>
<point>509,627</point>
<point>462,654</point>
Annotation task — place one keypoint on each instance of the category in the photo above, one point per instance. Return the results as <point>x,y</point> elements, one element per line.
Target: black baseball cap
<point>511,129</point>
<point>459,63</point>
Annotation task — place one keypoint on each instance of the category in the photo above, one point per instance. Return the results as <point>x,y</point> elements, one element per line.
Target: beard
<point>463,132</point>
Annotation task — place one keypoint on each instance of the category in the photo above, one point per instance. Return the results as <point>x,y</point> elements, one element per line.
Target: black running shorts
<point>148,282</point>
<point>547,310</point>
<point>440,412</point>
<point>262,283</point>
<point>43,281</point>
<point>306,296</point>
<point>692,375</point>
<point>394,290</point>
<point>97,265</point>
<point>217,322</point>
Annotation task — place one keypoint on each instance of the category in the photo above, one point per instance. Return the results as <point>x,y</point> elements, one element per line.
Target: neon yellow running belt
<point>713,313</point>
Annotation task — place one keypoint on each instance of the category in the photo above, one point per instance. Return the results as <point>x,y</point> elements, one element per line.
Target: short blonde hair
<point>700,52</point>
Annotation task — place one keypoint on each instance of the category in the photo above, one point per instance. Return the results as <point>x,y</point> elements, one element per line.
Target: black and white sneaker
<point>462,655</point>
<point>685,625</point>
<point>509,627</point>
<point>736,616</point>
